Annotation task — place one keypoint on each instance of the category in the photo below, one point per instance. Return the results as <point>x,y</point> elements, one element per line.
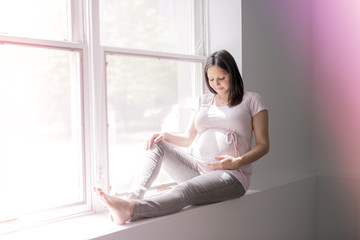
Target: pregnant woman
<point>218,166</point>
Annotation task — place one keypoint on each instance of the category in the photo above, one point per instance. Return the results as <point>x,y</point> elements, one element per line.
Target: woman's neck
<point>221,100</point>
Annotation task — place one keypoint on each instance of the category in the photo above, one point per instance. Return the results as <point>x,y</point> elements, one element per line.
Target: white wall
<point>303,57</point>
<point>225,27</point>
<point>276,58</point>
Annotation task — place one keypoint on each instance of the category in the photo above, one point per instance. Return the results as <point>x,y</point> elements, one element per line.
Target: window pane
<point>143,97</point>
<point>159,25</point>
<point>36,18</point>
<point>40,140</point>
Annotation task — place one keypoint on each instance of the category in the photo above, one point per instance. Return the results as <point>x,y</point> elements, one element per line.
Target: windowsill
<point>84,227</point>
<point>294,205</point>
<point>99,226</point>
<point>89,226</point>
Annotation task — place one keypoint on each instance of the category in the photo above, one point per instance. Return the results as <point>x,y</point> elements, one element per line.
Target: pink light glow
<point>336,84</point>
<point>336,61</point>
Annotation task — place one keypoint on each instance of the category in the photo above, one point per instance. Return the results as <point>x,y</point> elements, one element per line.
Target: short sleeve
<point>256,104</point>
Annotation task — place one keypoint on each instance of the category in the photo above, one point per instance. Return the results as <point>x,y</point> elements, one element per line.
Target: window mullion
<point>41,43</point>
<point>153,54</point>
<point>201,29</point>
<point>76,18</point>
<point>98,102</point>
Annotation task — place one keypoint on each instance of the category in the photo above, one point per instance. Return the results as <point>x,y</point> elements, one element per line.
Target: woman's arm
<point>179,139</point>
<point>261,132</point>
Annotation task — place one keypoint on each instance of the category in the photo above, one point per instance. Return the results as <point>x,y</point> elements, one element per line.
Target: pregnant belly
<point>213,143</point>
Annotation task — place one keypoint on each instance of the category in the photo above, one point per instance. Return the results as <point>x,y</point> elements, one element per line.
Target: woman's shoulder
<point>254,101</point>
<point>250,96</point>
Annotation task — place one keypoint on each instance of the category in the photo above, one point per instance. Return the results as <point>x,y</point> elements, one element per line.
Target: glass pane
<point>40,140</point>
<point>144,96</point>
<point>36,18</point>
<point>159,25</point>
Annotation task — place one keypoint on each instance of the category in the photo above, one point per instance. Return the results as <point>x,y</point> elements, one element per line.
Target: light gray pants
<point>193,188</point>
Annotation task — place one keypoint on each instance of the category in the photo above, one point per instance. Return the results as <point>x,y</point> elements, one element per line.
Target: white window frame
<point>85,39</point>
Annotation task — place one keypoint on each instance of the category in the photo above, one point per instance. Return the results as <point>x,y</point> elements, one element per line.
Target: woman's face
<point>219,80</point>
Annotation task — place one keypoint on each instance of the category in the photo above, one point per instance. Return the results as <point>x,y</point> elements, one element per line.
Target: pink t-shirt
<point>225,130</point>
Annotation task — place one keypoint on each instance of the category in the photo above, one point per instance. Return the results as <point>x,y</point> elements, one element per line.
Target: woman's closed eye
<point>211,79</point>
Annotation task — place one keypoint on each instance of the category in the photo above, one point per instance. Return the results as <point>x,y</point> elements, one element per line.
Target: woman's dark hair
<point>225,60</point>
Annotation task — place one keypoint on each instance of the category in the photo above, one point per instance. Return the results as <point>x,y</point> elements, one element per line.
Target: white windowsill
<point>292,203</point>
<point>90,226</point>
<point>98,226</point>
<point>84,227</point>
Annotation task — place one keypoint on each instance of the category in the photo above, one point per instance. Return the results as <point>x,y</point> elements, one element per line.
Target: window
<point>144,95</point>
<point>82,84</point>
<point>41,134</point>
<point>43,163</point>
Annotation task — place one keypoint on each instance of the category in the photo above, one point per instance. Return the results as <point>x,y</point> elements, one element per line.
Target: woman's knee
<point>157,149</point>
<point>162,144</point>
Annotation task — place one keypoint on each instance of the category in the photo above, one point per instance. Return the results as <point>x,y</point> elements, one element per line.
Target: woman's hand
<point>156,137</point>
<point>225,162</point>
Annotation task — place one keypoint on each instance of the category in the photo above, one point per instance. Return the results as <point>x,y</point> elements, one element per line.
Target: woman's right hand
<point>156,137</point>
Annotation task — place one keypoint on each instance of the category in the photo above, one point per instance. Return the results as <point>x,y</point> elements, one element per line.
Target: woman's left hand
<point>225,162</point>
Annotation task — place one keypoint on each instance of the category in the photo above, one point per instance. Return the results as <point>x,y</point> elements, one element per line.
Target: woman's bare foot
<point>121,210</point>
